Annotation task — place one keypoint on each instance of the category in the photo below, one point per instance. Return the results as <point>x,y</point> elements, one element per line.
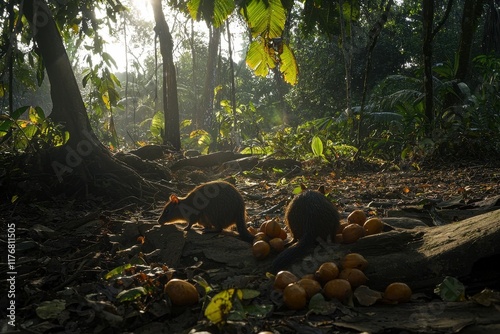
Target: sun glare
<point>142,8</point>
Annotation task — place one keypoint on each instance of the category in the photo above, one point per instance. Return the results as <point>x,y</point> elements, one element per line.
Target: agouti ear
<point>174,199</point>
<point>321,189</point>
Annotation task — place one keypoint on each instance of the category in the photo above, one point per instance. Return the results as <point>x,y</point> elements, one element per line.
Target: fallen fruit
<point>354,276</point>
<point>357,217</point>
<point>352,233</point>
<point>261,249</point>
<point>398,292</point>
<point>294,296</point>
<point>373,226</point>
<point>326,272</point>
<point>338,288</point>
<point>273,229</point>
<point>277,244</point>
<point>181,293</point>
<point>354,260</point>
<point>283,278</point>
<point>311,286</point>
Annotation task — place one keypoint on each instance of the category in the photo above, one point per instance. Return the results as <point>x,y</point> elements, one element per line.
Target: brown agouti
<point>214,205</point>
<point>309,216</point>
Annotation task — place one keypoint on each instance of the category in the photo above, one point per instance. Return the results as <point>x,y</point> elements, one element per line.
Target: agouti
<point>214,205</point>
<point>309,216</point>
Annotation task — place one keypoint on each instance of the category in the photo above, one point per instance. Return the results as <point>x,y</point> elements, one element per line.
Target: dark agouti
<point>309,216</point>
<point>214,205</point>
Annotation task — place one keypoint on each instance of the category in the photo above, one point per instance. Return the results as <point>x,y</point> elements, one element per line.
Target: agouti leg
<point>188,227</point>
<point>211,230</point>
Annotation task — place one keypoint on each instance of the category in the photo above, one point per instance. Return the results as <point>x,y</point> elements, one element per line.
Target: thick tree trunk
<point>169,92</point>
<point>68,107</point>
<point>83,164</point>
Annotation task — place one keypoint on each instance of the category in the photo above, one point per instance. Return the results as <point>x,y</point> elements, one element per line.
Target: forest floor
<point>61,268</point>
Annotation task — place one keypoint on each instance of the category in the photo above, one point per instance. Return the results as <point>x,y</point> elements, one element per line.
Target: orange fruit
<point>294,296</point>
<point>181,293</point>
<point>337,288</point>
<point>354,260</point>
<point>357,217</point>
<point>354,276</point>
<point>261,249</point>
<point>398,292</point>
<point>277,244</point>
<point>311,286</point>
<point>373,226</point>
<point>352,233</point>
<point>283,278</point>
<point>326,272</point>
<point>273,229</point>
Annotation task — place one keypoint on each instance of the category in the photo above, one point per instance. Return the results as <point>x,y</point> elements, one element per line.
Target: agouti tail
<point>310,216</point>
<point>294,253</point>
<point>214,205</point>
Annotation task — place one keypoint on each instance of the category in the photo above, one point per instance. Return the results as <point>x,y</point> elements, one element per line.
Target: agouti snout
<point>214,205</point>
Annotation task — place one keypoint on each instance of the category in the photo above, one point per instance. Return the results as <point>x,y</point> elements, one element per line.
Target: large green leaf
<point>212,11</point>
<point>288,65</point>
<point>157,124</point>
<point>258,57</point>
<point>265,18</point>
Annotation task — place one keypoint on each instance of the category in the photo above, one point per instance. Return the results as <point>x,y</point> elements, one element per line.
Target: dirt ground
<point>65,250</point>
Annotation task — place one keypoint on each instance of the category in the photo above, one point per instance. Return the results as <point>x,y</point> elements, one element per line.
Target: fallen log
<point>423,256</point>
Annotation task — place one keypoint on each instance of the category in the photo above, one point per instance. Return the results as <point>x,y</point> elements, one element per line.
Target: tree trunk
<point>83,164</point>
<point>373,37</point>
<point>68,107</point>
<point>428,22</point>
<point>346,40</point>
<point>207,116</point>
<point>472,11</point>
<point>491,32</point>
<point>235,132</point>
<point>169,91</point>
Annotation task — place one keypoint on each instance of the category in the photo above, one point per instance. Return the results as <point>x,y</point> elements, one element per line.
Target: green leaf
<point>450,290</point>
<point>132,294</point>
<point>288,65</point>
<point>249,293</point>
<point>36,114</point>
<point>317,146</point>
<point>265,18</point>
<point>157,124</point>
<point>212,11</point>
<point>50,309</point>
<point>258,58</point>
<point>108,59</point>
<point>117,271</point>
<point>351,10</point>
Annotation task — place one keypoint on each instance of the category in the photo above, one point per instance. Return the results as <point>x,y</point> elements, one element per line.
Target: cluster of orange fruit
<point>269,236</point>
<point>334,283</point>
<point>358,226</point>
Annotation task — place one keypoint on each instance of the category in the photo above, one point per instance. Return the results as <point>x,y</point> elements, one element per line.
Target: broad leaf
<point>265,18</point>
<point>288,66</point>
<point>157,124</point>
<point>258,58</point>
<point>212,11</point>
